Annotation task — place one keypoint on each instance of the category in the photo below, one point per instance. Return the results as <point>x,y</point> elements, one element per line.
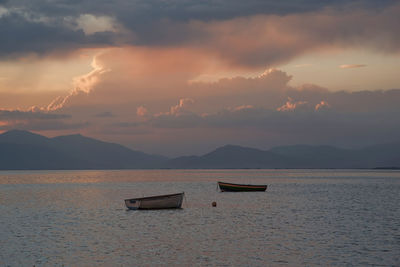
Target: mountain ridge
<point>23,150</point>
<point>68,152</point>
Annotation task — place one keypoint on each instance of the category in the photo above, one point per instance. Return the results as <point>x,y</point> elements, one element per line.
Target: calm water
<point>306,217</point>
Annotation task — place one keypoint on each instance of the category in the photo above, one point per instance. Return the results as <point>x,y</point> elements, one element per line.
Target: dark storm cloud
<point>133,12</point>
<point>45,26</point>
<point>22,35</point>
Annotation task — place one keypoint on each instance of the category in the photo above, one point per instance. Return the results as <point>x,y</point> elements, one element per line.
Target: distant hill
<point>105,155</point>
<point>377,156</point>
<point>306,156</point>
<point>386,156</point>
<point>23,150</point>
<point>232,157</point>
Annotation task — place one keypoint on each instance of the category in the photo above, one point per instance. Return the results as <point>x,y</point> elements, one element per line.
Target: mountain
<point>105,155</point>
<point>307,156</point>
<point>24,137</point>
<point>22,150</point>
<point>231,157</point>
<point>296,156</point>
<point>376,156</point>
<point>380,156</point>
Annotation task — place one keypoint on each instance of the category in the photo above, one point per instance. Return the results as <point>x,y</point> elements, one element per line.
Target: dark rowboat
<point>172,201</point>
<point>229,187</point>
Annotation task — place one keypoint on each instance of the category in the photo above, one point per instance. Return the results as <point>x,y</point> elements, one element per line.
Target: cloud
<point>150,82</point>
<point>277,40</point>
<point>267,105</point>
<point>303,65</point>
<point>178,116</point>
<point>11,115</point>
<point>269,127</point>
<point>352,66</point>
<point>43,125</point>
<point>279,31</point>
<point>159,111</point>
<point>81,85</point>
<point>152,49</point>
<point>322,105</point>
<point>263,128</point>
<point>91,24</point>
<point>243,107</point>
<point>85,83</point>
<point>184,103</point>
<point>36,120</point>
<point>291,105</point>
<point>105,114</point>
<point>133,13</point>
<point>30,33</point>
<point>168,121</point>
<point>121,80</point>
<point>240,117</point>
<point>141,111</point>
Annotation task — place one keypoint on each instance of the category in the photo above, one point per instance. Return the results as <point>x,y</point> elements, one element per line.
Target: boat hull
<point>172,201</point>
<point>229,187</point>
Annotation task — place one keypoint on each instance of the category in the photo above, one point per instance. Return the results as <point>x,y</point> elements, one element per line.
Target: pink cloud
<point>181,107</point>
<point>322,105</point>
<point>291,105</point>
<point>83,84</point>
<point>276,40</point>
<point>141,111</point>
<point>243,107</point>
<point>352,66</point>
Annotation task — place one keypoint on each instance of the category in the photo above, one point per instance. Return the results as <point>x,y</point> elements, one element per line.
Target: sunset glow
<point>186,78</point>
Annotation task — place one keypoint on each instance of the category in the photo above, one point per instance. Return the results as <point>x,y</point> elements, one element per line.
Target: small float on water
<point>172,201</point>
<point>230,187</point>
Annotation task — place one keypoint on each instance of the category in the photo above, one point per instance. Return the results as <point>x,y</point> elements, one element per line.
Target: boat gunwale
<point>155,197</point>
<point>242,185</point>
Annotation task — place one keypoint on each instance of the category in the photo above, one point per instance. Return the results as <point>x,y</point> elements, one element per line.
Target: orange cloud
<point>352,66</point>
<point>81,84</point>
<point>262,41</point>
<point>157,77</point>
<point>322,105</point>
<point>243,107</point>
<point>184,103</point>
<point>141,111</point>
<point>291,105</point>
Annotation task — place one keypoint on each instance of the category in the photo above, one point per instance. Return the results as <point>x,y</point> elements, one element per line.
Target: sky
<point>184,77</point>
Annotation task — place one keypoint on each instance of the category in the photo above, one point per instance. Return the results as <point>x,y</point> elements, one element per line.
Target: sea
<point>305,218</point>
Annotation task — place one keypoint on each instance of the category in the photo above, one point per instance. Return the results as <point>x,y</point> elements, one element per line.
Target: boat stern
<point>132,204</point>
